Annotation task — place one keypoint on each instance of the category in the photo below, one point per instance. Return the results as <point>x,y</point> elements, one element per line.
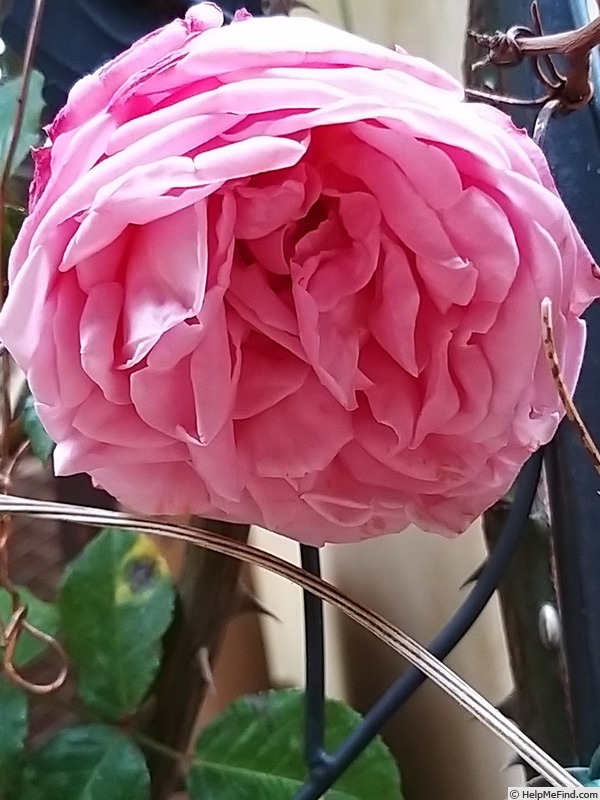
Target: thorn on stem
<point>474,576</point>
<point>247,602</point>
<point>508,706</point>
<point>206,668</point>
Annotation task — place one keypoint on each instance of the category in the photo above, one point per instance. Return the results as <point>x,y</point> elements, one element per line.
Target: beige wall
<point>433,29</point>
<point>412,578</point>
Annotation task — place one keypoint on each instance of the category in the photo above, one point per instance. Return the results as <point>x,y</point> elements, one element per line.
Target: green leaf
<point>41,444</point>
<point>86,762</point>
<point>41,615</point>
<point>9,96</point>
<point>585,776</point>
<point>254,751</point>
<point>13,729</point>
<point>594,772</point>
<point>115,603</point>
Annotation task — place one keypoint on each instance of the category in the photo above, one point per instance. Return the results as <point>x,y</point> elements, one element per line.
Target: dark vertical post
<point>315,663</point>
<point>513,527</point>
<point>573,149</point>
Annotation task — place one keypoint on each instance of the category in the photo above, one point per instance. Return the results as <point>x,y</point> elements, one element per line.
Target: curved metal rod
<point>315,663</point>
<point>387,705</point>
<point>390,634</point>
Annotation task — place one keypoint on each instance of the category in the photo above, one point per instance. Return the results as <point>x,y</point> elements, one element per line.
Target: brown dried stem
<point>207,599</point>
<point>573,414</point>
<point>32,38</point>
<point>11,632</point>
<point>509,48</point>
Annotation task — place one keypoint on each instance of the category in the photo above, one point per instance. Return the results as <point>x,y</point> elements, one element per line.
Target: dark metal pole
<point>332,766</point>
<point>573,150</point>
<point>315,663</point>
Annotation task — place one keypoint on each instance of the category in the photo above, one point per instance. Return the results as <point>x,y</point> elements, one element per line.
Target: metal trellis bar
<point>332,766</point>
<point>315,663</point>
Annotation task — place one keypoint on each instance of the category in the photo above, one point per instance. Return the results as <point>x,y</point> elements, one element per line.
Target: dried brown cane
<point>572,413</point>
<point>4,187</point>
<point>572,89</point>
<point>11,632</point>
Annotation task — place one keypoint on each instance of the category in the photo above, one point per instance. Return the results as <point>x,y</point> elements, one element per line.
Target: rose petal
<point>273,448</point>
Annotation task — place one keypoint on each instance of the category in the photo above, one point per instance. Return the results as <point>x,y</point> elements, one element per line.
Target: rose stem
<point>208,597</point>
<point>6,462</point>
<point>32,37</point>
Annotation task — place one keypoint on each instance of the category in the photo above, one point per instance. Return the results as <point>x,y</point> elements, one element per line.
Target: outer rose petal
<point>277,274</point>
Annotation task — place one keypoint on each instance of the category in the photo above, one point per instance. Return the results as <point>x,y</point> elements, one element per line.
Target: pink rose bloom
<point>277,274</point>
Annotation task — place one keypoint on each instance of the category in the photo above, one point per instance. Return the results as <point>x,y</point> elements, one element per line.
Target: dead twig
<point>573,414</point>
<point>574,88</point>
